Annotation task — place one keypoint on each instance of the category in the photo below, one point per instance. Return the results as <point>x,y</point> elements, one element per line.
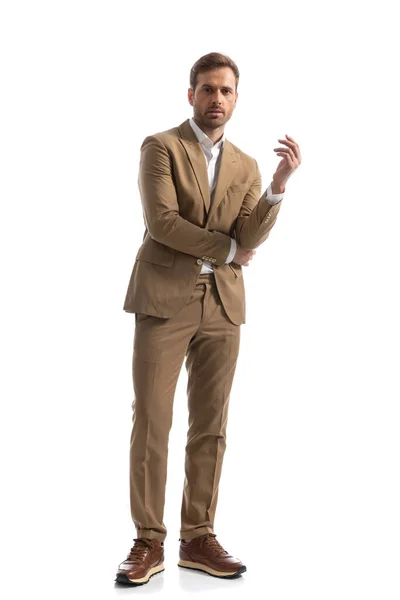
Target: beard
<point>211,121</point>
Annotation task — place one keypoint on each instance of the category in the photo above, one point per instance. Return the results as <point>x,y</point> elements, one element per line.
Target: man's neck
<point>214,134</point>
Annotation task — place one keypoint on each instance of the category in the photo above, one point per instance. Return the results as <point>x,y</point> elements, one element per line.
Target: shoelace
<point>139,550</point>
<point>210,540</point>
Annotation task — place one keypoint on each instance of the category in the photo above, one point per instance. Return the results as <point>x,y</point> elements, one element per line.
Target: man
<point>203,217</point>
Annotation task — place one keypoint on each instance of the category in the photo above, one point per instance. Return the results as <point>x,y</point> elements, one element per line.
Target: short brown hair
<point>213,60</point>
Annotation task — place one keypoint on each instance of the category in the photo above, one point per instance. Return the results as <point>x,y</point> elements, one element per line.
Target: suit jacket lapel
<point>229,162</point>
<point>197,159</point>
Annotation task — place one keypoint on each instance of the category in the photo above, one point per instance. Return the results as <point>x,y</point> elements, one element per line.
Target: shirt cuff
<point>273,198</point>
<point>232,251</point>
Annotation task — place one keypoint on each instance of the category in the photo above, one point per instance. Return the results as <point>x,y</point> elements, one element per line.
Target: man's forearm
<point>258,214</point>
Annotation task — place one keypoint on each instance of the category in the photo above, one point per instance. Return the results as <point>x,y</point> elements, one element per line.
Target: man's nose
<point>217,97</point>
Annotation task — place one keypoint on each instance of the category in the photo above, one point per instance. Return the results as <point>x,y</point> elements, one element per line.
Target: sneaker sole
<point>186,564</point>
<point>122,578</point>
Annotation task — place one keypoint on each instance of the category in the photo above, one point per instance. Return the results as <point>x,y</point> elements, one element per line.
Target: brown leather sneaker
<point>145,559</point>
<point>206,554</point>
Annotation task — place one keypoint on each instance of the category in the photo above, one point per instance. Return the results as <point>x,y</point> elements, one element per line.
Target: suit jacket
<point>183,228</point>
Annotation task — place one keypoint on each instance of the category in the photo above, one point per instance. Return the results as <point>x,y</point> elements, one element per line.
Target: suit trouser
<point>202,332</point>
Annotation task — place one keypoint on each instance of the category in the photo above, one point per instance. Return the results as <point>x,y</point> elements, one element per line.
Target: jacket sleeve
<point>161,209</point>
<point>256,216</point>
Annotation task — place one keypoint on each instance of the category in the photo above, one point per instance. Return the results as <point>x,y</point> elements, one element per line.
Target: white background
<point>309,497</point>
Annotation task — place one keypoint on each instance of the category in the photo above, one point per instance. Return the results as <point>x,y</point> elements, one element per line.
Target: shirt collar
<point>204,139</point>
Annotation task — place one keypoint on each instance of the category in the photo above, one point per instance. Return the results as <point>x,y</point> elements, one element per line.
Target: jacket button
<point>199,261</point>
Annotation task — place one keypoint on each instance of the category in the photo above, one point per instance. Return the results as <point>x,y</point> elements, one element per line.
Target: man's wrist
<point>232,252</point>
<point>277,188</point>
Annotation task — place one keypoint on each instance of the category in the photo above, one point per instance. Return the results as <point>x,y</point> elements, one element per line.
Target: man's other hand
<point>243,256</point>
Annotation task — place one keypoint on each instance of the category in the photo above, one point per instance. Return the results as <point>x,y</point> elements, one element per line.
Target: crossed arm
<point>165,225</point>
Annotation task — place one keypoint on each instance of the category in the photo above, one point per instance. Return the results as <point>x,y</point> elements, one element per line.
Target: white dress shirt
<point>212,153</point>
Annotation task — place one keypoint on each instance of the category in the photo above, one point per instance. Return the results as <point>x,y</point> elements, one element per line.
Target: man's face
<point>215,89</point>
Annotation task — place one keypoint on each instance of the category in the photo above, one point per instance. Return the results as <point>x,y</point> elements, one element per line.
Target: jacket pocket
<point>239,187</point>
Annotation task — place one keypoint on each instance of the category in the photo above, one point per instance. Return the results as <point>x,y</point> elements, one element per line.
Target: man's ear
<point>190,96</point>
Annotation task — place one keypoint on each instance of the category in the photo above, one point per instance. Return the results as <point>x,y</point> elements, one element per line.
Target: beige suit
<point>181,313</point>
<point>182,229</point>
